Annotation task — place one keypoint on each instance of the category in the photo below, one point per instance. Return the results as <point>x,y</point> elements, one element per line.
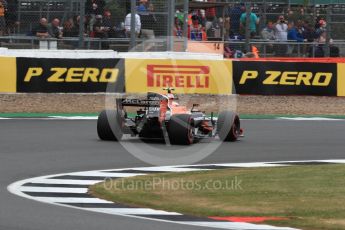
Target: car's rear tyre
<point>181,129</point>
<point>109,125</point>
<point>228,126</point>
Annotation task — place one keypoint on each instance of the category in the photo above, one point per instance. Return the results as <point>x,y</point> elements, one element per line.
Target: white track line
<point>132,211</point>
<point>62,181</point>
<point>53,189</point>
<point>160,169</point>
<point>71,200</point>
<point>106,174</point>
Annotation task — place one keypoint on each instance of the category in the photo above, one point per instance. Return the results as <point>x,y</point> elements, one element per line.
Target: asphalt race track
<point>31,148</point>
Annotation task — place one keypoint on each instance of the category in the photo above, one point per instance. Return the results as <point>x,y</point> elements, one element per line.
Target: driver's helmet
<point>170,96</point>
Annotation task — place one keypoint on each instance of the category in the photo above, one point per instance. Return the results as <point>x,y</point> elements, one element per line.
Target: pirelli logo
<point>178,76</point>
<point>185,76</point>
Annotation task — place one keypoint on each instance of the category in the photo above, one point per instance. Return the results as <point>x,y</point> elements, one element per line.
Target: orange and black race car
<point>161,117</point>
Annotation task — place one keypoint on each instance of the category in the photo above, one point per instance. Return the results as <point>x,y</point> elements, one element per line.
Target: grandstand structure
<point>29,13</point>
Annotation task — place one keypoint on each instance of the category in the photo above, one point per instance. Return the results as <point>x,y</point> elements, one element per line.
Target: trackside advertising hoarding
<point>56,75</point>
<point>285,78</point>
<point>341,80</point>
<point>51,75</point>
<point>185,76</point>
<point>8,75</point>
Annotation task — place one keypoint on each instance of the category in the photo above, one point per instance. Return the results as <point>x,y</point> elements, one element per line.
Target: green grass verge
<point>311,197</point>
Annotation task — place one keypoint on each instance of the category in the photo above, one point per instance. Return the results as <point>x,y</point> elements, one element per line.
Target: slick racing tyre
<point>109,126</point>
<point>181,129</point>
<point>228,126</point>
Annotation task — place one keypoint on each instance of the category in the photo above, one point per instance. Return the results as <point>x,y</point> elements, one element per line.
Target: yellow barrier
<point>186,76</point>
<point>8,76</point>
<point>341,80</point>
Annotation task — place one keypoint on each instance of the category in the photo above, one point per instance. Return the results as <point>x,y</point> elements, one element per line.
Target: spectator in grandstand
<point>69,29</point>
<point>137,27</point>
<point>281,33</point>
<point>202,17</point>
<point>11,16</point>
<point>54,29</point>
<point>235,17</point>
<point>87,29</point>
<point>227,29</point>
<point>178,30</point>
<point>143,6</point>
<point>321,28</point>
<point>195,31</point>
<point>3,9</point>
<point>148,21</point>
<point>108,23</point>
<point>308,32</point>
<point>294,34</point>
<point>268,32</point>
<point>253,21</point>
<point>94,7</point>
<point>215,30</point>
<point>281,29</point>
<point>100,30</point>
<point>41,30</point>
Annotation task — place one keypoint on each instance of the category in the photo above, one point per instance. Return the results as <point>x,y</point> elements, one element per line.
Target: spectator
<point>281,29</point>
<point>281,32</point>
<point>108,23</point>
<point>253,21</point>
<point>94,7</point>
<point>41,30</point>
<point>148,21</point>
<point>322,25</point>
<point>334,51</point>
<point>195,31</point>
<point>69,29</point>
<point>308,32</point>
<point>293,33</point>
<point>202,17</point>
<point>128,24</point>
<point>11,16</point>
<point>3,9</point>
<point>214,31</point>
<point>227,28</point>
<point>87,28</point>
<point>101,31</point>
<point>235,16</point>
<point>143,6</point>
<point>268,32</point>
<point>54,29</point>
<point>178,31</point>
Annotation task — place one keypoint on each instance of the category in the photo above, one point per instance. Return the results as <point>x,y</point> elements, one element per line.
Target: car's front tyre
<point>180,129</point>
<point>228,126</point>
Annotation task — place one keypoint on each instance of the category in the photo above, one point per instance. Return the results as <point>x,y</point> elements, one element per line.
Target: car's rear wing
<point>139,102</point>
<point>151,100</point>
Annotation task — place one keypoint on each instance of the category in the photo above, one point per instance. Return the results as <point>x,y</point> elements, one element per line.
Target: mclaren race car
<point>161,117</point>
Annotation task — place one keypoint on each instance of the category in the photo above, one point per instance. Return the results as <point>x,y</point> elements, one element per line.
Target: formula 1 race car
<point>161,117</point>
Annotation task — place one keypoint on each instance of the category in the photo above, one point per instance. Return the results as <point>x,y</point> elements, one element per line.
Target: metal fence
<point>166,25</point>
